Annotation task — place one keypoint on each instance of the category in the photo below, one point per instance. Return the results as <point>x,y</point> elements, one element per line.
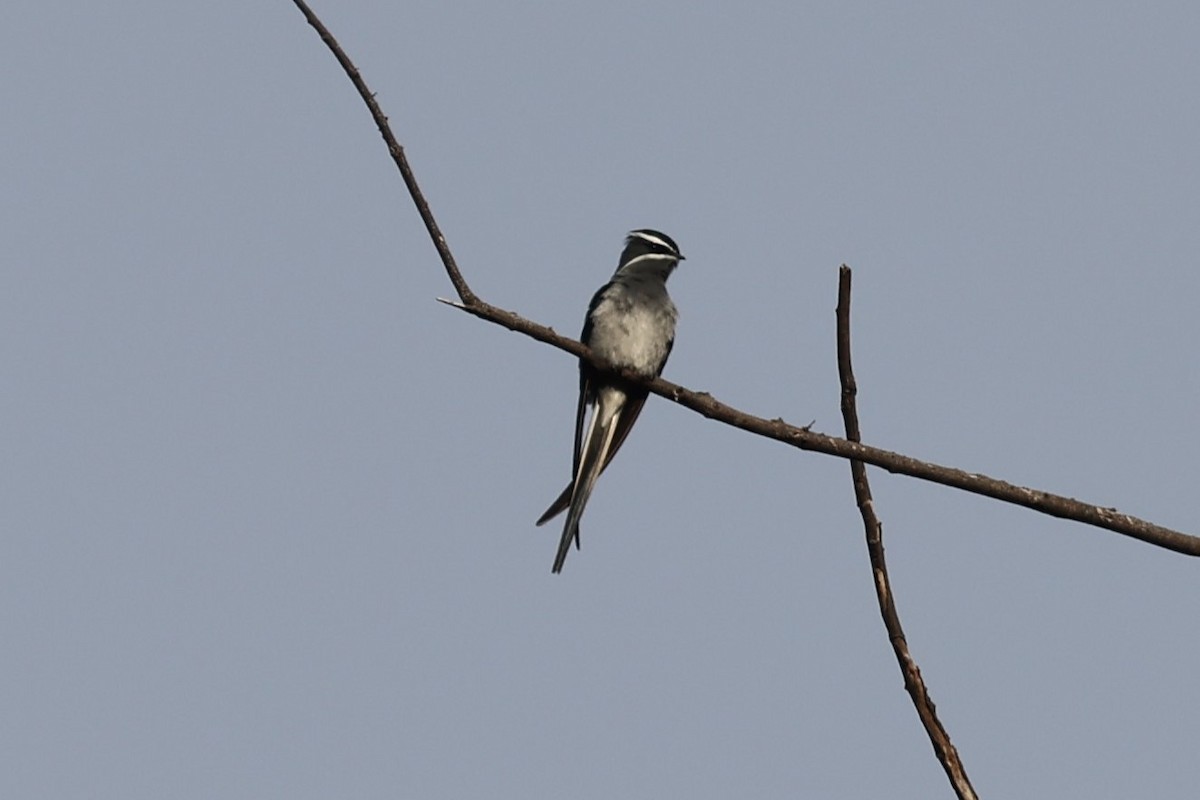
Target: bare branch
<point>1045,502</point>
<point>805,439</point>
<point>410,180</point>
<point>946,753</point>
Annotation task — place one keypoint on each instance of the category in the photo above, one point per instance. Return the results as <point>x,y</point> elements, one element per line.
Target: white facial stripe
<point>646,237</point>
<point>649,257</point>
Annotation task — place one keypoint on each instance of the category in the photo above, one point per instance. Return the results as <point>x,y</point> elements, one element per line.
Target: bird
<point>630,324</point>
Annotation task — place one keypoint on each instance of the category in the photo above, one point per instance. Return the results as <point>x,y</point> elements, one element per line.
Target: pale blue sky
<point>266,508</point>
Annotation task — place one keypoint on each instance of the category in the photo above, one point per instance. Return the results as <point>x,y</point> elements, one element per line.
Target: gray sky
<point>266,508</point>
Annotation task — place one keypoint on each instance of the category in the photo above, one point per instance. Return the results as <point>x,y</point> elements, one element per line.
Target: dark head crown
<point>648,240</point>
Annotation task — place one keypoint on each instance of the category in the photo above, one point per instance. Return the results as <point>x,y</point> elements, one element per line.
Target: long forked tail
<point>630,409</point>
<point>592,462</point>
<point>558,506</point>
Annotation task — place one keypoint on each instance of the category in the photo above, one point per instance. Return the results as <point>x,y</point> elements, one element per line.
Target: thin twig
<point>946,753</point>
<point>705,404</point>
<point>435,233</point>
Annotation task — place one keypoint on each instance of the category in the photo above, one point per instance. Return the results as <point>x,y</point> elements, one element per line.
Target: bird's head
<point>649,251</point>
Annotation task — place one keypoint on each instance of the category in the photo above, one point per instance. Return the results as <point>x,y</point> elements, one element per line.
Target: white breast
<point>632,327</point>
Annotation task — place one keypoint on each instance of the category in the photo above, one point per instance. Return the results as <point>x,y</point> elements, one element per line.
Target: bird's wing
<point>585,397</point>
<point>563,500</point>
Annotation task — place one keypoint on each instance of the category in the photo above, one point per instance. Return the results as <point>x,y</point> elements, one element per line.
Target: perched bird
<point>630,323</point>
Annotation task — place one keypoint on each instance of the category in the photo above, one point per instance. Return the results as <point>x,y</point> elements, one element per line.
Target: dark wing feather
<point>585,397</point>
<point>564,499</point>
